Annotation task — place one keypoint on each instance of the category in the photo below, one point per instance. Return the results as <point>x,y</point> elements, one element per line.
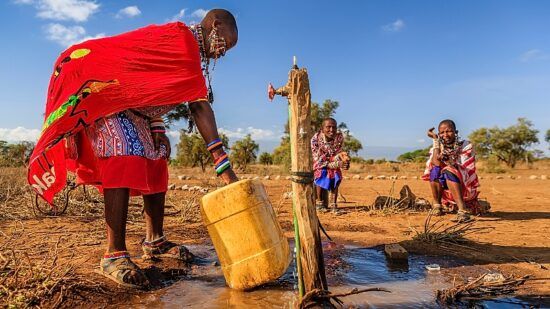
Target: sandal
<point>334,209</point>
<point>321,207</point>
<point>437,210</point>
<point>117,266</point>
<point>162,248</point>
<point>462,217</point>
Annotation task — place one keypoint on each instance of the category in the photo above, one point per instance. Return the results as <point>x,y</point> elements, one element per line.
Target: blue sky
<point>396,67</point>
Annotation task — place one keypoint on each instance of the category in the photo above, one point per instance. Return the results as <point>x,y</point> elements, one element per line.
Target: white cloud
<point>533,55</point>
<point>199,13</point>
<point>19,134</point>
<point>66,36</point>
<point>395,26</point>
<point>256,134</point>
<point>179,16</point>
<point>129,11</point>
<point>75,10</point>
<point>421,141</point>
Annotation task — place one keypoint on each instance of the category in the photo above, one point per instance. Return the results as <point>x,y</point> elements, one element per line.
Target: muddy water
<point>412,286</point>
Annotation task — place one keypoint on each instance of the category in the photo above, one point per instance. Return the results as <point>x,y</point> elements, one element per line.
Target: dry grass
<point>441,231</point>
<point>482,287</point>
<point>32,274</point>
<point>15,195</point>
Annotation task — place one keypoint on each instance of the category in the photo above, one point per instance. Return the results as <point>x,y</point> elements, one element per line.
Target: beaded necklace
<point>205,61</point>
<point>450,153</point>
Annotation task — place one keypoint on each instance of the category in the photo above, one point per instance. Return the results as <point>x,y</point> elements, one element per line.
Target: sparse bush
<point>244,151</point>
<point>265,158</point>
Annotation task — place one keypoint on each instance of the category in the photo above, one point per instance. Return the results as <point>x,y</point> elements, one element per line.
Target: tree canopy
<point>17,154</point>
<point>419,155</point>
<point>508,145</point>
<point>192,150</point>
<point>243,152</point>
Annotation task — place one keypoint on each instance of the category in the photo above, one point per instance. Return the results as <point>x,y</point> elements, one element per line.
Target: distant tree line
<point>15,154</point>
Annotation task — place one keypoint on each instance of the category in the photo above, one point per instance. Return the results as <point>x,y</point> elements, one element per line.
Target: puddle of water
<point>411,284</point>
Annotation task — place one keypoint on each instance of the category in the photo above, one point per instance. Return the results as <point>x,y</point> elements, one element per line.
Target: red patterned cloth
<point>464,167</point>
<point>151,66</point>
<point>323,152</point>
<point>142,176</point>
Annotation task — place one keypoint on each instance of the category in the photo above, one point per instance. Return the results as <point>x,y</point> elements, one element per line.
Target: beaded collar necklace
<point>205,61</point>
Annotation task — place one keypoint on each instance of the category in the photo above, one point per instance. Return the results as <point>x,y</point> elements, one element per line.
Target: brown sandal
<point>118,269</point>
<point>437,210</point>
<point>162,248</point>
<point>462,217</point>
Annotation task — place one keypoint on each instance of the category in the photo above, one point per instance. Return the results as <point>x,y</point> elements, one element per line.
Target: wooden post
<point>311,251</point>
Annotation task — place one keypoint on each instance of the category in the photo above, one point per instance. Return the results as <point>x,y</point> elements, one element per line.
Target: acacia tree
<point>265,158</point>
<point>243,152</point>
<point>547,137</point>
<point>192,150</point>
<point>12,155</point>
<point>508,145</point>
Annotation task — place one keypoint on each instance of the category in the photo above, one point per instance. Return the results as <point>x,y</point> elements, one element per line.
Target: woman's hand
<point>432,134</point>
<point>160,139</point>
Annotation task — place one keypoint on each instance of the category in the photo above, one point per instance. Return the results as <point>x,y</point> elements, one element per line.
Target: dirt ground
<point>516,240</point>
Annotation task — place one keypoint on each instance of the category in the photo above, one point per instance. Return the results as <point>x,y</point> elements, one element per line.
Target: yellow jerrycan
<point>243,227</point>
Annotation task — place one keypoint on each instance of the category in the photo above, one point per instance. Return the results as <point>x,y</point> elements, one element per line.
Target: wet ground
<point>411,284</point>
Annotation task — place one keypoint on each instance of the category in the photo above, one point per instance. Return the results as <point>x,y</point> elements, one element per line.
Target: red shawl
<point>465,170</point>
<point>151,66</point>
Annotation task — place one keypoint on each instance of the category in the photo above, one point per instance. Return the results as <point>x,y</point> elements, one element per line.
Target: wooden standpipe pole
<point>310,253</point>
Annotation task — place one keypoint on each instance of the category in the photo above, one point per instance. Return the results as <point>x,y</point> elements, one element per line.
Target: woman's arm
<point>203,115</point>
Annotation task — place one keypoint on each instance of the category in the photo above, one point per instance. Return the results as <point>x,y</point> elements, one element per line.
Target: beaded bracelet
<point>215,144</point>
<point>222,166</point>
<point>221,162</point>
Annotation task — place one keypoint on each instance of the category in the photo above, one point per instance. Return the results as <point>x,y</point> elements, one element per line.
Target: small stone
<point>499,177</point>
<point>415,177</point>
<point>195,188</point>
<point>256,177</point>
<point>288,178</point>
<point>403,177</point>
<point>356,177</point>
<point>267,177</point>
<point>204,190</point>
<point>346,177</point>
<point>533,177</point>
<point>215,263</point>
<point>543,177</point>
<point>381,177</point>
<point>278,177</point>
<point>519,177</point>
<point>480,177</point>
<point>394,177</point>
<point>213,177</point>
<point>369,177</point>
<point>396,252</point>
<point>185,188</point>
<point>181,177</point>
<point>172,187</point>
<point>287,195</point>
